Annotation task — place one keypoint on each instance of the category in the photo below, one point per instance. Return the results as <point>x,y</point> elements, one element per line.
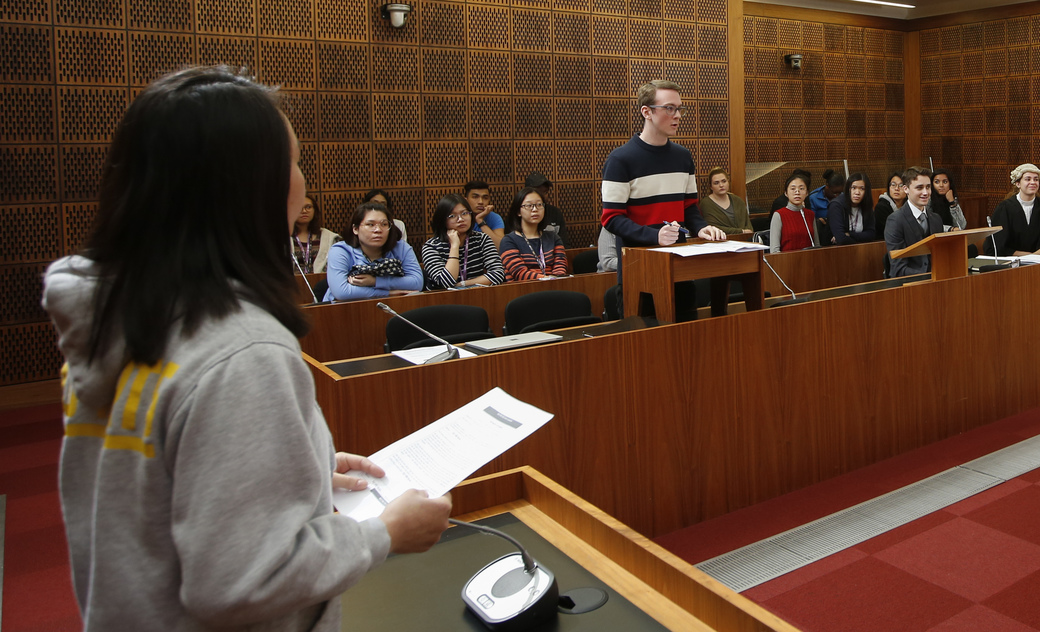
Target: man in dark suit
<point>912,223</point>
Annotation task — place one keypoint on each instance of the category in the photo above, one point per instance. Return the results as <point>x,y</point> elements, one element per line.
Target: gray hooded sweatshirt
<point>197,492</point>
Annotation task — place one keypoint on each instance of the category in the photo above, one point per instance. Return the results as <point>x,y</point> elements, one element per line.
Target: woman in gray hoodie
<point>197,470</point>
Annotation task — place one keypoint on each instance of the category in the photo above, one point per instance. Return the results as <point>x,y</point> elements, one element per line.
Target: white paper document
<point>420,355</point>
<point>441,455</point>
<point>713,247</point>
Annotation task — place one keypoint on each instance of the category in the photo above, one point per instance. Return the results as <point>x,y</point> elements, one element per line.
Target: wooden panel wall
<point>980,82</point>
<point>845,102</point>
<point>486,89</point>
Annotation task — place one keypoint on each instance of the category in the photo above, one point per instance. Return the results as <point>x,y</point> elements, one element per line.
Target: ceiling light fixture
<point>887,4</point>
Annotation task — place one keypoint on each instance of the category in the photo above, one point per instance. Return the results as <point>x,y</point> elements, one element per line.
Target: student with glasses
<point>889,202</point>
<point>528,250</point>
<point>458,256</point>
<point>374,261</point>
<point>794,226</point>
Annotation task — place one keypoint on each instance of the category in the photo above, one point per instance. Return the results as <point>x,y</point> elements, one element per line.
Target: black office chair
<point>612,303</point>
<point>454,323</point>
<point>320,289</point>
<point>586,262</point>
<point>549,309</point>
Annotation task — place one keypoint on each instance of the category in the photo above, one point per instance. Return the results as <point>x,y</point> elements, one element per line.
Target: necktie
<point>923,220</point>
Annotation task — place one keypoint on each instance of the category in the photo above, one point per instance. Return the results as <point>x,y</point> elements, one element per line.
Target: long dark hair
<point>439,221</point>
<point>868,198</point>
<point>513,220</point>
<point>393,233</point>
<point>938,203</point>
<point>171,236</point>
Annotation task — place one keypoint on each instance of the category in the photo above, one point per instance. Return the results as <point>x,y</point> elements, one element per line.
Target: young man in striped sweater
<point>649,183</point>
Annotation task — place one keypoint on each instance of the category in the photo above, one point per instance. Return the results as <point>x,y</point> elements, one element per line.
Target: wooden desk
<point>820,268</point>
<point>668,426</point>
<point>358,328</point>
<point>653,272</point>
<point>670,590</point>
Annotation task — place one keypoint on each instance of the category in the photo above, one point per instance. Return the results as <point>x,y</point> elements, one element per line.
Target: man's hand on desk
<point>712,233</point>
<point>668,235</point>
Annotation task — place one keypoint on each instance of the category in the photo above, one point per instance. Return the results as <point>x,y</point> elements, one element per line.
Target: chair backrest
<point>612,303</point>
<point>547,305</point>
<point>320,289</point>
<point>451,322</point>
<point>585,262</point>
<point>761,237</point>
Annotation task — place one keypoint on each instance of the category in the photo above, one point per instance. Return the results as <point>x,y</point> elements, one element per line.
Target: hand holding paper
<point>439,456</point>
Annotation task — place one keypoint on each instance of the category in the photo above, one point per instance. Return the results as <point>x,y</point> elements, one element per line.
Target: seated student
<point>553,215</point>
<point>374,261</point>
<point>820,199</point>
<point>793,227</point>
<point>607,248</point>
<point>852,213</point>
<point>912,223</point>
<point>310,241</point>
<point>721,208</point>
<point>197,471</point>
<point>1017,215</point>
<point>457,256</point>
<point>528,250</point>
<point>889,202</point>
<point>781,200</point>
<point>485,219</point>
<point>382,197</point>
<point>943,201</point>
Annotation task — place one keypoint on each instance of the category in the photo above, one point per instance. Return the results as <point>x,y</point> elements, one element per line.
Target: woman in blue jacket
<point>373,262</point>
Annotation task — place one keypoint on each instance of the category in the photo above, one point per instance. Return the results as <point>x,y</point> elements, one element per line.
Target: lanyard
<point>306,252</point>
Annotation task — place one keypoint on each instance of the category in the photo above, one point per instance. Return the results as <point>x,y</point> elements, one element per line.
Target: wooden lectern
<point>667,589</point>
<point>949,251</point>
<point>655,272</point>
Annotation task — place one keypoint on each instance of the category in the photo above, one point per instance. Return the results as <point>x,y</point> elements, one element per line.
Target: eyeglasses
<point>532,206</point>
<point>670,109</point>
<point>455,217</point>
<point>374,225</point>
<point>797,190</point>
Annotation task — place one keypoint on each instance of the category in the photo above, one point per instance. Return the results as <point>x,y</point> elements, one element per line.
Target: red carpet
<point>972,566</point>
<point>37,586</point>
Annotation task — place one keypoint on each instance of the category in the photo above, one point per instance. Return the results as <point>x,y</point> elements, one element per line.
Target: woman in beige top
<point>722,209</point>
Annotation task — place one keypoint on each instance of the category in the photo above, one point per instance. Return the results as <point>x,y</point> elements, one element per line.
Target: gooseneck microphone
<point>451,353</point>
<point>512,593</point>
<point>306,282</point>
<point>996,255</point>
<point>793,297</point>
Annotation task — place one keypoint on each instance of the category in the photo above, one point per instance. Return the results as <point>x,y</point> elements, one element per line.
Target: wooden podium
<point>664,587</point>
<point>655,272</point>
<point>949,251</point>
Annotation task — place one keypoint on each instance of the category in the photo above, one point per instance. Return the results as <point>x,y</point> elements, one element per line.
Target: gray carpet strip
<point>768,559</point>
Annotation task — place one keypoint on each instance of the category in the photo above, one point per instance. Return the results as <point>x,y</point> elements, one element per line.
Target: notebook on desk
<point>503,343</point>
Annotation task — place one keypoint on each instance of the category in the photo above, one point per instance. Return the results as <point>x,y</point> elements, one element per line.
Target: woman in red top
<point>528,251</point>
<point>793,227</point>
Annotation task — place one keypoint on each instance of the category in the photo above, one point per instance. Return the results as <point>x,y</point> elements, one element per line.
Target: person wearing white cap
<point>1018,216</point>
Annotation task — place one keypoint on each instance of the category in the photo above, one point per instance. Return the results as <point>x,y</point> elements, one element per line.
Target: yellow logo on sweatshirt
<point>137,383</point>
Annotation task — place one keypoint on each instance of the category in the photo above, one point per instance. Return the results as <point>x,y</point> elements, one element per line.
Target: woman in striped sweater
<point>457,256</point>
<point>528,250</point>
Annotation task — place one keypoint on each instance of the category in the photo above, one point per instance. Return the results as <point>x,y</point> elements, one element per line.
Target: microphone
<point>806,224</point>
<point>793,299</point>
<point>996,255</point>
<point>512,593</point>
<point>306,282</point>
<point>452,351</point>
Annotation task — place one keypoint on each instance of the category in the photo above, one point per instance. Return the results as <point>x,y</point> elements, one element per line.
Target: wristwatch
<point>481,224</point>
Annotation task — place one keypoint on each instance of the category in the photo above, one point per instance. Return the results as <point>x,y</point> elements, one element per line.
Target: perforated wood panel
<point>488,89</point>
<point>980,82</point>
<point>835,107</point>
